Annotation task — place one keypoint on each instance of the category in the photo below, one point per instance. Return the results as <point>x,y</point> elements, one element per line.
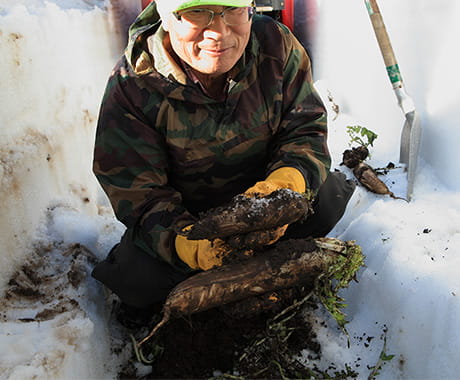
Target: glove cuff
<point>200,254</point>
<point>187,250</point>
<point>288,178</point>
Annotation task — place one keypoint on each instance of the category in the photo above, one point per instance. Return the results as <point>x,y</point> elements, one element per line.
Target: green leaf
<point>386,358</point>
<point>361,135</point>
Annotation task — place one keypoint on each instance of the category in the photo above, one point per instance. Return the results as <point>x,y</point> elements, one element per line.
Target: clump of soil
<point>284,250</point>
<point>352,157</point>
<point>235,340</point>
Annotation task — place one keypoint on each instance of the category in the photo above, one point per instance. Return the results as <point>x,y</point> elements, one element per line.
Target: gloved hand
<point>282,178</point>
<point>201,254</point>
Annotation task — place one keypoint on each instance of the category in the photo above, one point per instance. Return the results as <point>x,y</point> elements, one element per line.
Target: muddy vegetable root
<point>247,214</point>
<point>364,173</point>
<point>369,179</point>
<point>290,263</point>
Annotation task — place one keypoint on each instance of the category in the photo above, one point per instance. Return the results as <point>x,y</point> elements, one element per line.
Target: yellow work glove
<point>201,254</point>
<point>282,178</point>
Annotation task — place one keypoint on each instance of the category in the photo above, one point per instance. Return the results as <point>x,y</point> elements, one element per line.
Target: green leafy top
<point>359,134</point>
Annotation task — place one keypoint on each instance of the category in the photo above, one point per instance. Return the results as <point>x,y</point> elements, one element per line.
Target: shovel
<point>411,132</point>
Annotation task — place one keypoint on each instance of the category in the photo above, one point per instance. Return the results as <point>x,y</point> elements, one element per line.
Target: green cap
<point>168,6</point>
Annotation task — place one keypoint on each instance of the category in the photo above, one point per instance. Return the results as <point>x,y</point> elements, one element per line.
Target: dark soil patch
<point>19,291</point>
<point>234,339</point>
<point>49,313</point>
<point>352,157</point>
<point>279,253</point>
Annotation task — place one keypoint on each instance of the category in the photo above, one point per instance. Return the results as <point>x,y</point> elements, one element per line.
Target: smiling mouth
<point>215,52</point>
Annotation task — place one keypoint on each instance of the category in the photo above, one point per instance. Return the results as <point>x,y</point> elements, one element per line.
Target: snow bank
<point>55,60</point>
<point>53,323</point>
<point>410,283</point>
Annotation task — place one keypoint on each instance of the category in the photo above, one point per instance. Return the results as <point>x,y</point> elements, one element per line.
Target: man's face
<point>214,49</point>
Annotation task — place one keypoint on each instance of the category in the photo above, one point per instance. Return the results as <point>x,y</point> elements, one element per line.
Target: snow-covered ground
<point>55,59</point>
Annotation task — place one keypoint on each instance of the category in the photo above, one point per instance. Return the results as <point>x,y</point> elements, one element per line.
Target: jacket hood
<point>136,51</point>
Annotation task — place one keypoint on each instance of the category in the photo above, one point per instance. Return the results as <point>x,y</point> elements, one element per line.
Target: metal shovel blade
<point>409,149</point>
<point>411,132</point>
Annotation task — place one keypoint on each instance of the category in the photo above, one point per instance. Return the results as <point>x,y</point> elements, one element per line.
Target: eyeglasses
<point>202,18</point>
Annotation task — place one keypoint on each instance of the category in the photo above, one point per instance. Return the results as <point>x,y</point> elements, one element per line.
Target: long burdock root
<point>247,214</point>
<point>289,263</point>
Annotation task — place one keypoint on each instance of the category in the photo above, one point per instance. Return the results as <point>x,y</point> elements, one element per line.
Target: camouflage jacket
<point>165,151</point>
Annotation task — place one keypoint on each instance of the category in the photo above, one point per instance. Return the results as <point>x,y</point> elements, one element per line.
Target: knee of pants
<point>137,278</point>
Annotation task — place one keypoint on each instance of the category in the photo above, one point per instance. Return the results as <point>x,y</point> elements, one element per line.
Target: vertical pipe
<point>287,14</point>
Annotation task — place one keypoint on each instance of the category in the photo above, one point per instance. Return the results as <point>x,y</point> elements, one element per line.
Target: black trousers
<point>140,280</point>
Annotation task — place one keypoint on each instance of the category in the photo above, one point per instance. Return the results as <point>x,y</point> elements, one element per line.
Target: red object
<point>145,3</point>
<point>287,14</point>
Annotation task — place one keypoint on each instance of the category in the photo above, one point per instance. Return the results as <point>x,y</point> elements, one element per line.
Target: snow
<point>56,57</point>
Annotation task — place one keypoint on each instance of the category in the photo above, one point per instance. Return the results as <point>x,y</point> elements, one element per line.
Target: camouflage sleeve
<point>130,162</point>
<point>302,133</point>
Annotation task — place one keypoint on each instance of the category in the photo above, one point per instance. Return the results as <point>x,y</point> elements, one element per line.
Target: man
<point>209,101</point>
